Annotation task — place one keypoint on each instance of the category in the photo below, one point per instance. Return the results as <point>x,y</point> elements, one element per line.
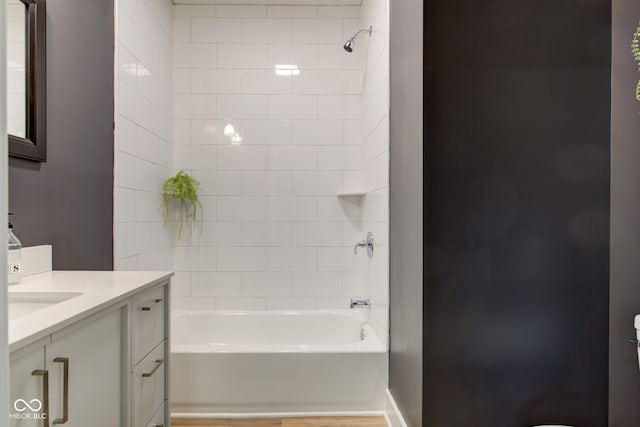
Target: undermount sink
<point>24,303</point>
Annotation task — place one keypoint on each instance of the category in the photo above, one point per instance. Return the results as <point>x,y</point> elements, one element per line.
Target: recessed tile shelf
<point>354,193</point>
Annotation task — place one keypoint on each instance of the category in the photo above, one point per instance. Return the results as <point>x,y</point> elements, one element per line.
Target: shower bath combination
<point>255,352</point>
<point>350,44</point>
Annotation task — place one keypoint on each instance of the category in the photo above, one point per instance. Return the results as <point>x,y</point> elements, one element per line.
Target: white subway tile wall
<point>143,136</point>
<point>375,164</point>
<point>275,214</point>
<point>270,116</point>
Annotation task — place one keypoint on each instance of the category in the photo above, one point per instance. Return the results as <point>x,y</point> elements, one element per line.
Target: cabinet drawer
<point>158,419</point>
<point>26,382</point>
<point>148,326</point>
<point>149,386</point>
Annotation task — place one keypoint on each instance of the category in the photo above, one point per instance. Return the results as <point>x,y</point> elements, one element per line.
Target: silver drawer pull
<point>65,392</point>
<point>45,393</point>
<point>148,307</point>
<point>159,363</point>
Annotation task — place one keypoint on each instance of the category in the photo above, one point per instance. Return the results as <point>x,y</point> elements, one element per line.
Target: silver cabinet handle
<point>45,393</point>
<point>159,363</point>
<point>65,391</point>
<point>148,307</point>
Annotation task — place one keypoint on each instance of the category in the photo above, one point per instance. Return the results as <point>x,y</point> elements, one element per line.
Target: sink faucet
<point>360,303</point>
<point>365,244</point>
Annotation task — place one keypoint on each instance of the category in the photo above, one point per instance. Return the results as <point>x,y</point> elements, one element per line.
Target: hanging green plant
<point>182,188</point>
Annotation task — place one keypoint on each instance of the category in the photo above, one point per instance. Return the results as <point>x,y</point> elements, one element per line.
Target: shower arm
<point>367,30</point>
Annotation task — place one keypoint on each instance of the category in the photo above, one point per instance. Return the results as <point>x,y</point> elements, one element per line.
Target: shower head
<point>348,46</point>
<point>351,43</point>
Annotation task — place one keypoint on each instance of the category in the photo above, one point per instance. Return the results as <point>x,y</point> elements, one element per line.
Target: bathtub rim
<point>370,345</point>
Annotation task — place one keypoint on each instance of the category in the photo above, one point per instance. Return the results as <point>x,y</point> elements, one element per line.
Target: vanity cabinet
<point>148,321</point>
<point>150,351</point>
<point>149,381</point>
<point>28,380</point>
<point>77,378</point>
<point>87,373</point>
<point>106,370</point>
<point>158,419</point>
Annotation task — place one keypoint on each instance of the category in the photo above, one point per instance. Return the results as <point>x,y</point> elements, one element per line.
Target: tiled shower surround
<point>144,61</point>
<point>375,161</point>
<point>275,119</point>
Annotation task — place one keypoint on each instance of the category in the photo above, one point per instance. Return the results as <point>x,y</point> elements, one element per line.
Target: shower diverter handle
<point>365,244</point>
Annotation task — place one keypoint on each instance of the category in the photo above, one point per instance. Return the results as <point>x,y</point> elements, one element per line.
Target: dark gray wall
<point>68,201</point>
<point>406,240</point>
<point>517,138</point>
<point>624,381</point>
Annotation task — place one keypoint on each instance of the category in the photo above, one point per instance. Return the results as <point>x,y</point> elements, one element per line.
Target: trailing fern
<point>635,46</point>
<point>182,188</point>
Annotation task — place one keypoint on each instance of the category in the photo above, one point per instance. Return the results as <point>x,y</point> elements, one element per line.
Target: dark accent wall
<point>68,201</point>
<point>517,124</point>
<point>406,208</point>
<point>624,381</point>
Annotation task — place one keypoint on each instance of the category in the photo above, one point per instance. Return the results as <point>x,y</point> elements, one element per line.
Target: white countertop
<point>100,289</point>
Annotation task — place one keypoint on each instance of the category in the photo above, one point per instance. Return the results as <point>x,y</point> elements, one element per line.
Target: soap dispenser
<point>14,257</point>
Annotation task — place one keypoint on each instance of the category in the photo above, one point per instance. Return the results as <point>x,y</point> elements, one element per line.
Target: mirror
<point>26,66</point>
<point>16,69</point>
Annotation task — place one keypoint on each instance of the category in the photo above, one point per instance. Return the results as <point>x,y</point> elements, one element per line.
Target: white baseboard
<point>392,413</point>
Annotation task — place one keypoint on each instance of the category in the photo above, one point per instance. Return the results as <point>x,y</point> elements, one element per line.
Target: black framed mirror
<point>26,79</point>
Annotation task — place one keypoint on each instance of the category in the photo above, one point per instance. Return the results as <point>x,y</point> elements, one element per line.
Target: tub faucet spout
<point>360,303</point>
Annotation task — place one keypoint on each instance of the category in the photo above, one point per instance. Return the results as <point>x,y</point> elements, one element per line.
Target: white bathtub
<point>275,363</point>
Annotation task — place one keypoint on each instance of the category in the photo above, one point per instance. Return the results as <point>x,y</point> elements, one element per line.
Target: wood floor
<point>281,422</point>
